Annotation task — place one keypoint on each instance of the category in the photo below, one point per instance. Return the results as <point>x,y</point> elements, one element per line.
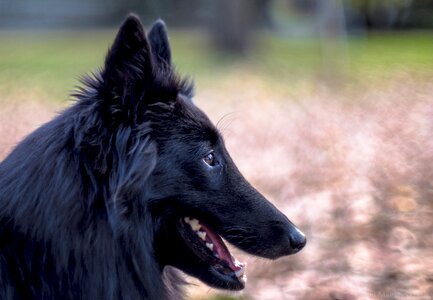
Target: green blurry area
<point>51,63</point>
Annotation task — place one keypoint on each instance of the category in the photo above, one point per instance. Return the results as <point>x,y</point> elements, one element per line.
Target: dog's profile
<point>129,180</point>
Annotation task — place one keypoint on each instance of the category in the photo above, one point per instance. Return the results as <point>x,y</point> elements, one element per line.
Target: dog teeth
<point>202,235</point>
<point>194,223</point>
<point>210,246</point>
<point>239,273</point>
<point>239,264</point>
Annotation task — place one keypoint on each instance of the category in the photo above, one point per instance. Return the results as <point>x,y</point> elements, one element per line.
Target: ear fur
<point>135,160</point>
<point>159,44</point>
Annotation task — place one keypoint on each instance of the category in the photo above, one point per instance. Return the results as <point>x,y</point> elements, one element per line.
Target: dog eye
<point>209,159</point>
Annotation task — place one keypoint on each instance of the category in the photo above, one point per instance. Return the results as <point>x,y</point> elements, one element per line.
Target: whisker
<point>220,121</point>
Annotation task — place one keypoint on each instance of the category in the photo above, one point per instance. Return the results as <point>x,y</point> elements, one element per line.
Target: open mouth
<point>210,249</point>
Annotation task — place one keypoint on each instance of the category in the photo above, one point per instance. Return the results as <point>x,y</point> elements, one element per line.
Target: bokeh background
<point>326,106</point>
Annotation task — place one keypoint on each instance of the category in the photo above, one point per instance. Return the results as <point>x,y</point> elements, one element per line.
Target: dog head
<point>170,162</point>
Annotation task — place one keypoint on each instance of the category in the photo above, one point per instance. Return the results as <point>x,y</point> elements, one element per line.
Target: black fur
<point>90,202</point>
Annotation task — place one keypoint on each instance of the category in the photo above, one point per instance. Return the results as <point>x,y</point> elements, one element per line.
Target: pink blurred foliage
<point>356,176</point>
<point>17,119</point>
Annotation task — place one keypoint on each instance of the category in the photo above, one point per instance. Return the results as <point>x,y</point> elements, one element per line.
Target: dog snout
<point>297,239</point>
<point>290,239</point>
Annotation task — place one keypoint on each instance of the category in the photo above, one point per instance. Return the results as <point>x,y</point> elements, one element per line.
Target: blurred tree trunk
<point>232,21</point>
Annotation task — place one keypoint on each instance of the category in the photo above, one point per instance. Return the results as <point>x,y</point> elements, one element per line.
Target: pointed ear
<point>159,43</point>
<point>129,61</point>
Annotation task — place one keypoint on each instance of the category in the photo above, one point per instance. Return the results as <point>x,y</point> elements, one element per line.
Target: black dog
<point>131,179</point>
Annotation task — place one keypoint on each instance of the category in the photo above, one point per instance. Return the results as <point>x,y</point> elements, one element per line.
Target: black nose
<point>297,239</point>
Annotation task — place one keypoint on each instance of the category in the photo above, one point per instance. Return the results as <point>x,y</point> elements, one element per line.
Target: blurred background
<point>326,107</point>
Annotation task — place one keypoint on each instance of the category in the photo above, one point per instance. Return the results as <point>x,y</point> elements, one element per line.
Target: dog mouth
<point>210,249</point>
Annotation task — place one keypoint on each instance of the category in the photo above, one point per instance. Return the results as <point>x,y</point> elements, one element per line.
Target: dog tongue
<point>221,249</point>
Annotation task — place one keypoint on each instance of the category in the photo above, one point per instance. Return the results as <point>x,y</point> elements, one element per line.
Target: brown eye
<point>209,159</point>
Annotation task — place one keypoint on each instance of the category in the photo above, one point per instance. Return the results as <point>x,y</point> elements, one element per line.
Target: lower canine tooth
<point>238,263</point>
<point>202,235</point>
<point>239,273</point>
<point>210,246</point>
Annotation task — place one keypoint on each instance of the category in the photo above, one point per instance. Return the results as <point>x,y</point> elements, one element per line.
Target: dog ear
<point>159,43</point>
<point>128,65</point>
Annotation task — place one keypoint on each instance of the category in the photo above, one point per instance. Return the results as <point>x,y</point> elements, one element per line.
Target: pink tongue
<point>221,249</point>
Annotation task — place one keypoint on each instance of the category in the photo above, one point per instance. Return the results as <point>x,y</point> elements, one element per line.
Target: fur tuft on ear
<point>159,43</point>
